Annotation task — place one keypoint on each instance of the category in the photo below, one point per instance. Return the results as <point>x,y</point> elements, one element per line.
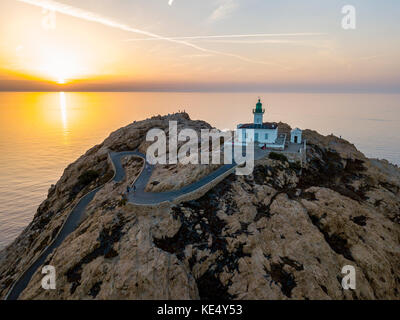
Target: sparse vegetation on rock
<point>284,232</point>
<point>278,156</point>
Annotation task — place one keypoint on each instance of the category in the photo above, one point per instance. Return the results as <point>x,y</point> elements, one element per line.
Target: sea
<point>41,133</point>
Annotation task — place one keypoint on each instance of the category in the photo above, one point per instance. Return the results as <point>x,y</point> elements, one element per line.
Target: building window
<point>256,137</point>
<point>266,136</point>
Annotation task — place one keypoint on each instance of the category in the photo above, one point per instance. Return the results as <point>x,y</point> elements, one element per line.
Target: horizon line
<point>311,91</point>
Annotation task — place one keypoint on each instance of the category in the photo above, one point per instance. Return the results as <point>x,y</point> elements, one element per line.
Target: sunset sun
<point>185,152</point>
<point>60,66</point>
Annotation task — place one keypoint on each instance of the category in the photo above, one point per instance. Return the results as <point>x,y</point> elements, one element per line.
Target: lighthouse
<point>258,113</point>
<point>258,131</point>
<point>266,134</point>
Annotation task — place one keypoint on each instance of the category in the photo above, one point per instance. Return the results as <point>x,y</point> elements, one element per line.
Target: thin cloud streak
<point>92,17</point>
<point>227,36</point>
<point>284,42</point>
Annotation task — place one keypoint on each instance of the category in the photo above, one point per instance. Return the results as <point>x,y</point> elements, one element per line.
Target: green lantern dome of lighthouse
<point>259,108</point>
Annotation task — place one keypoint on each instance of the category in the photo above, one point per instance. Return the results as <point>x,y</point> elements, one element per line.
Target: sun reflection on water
<point>64,115</point>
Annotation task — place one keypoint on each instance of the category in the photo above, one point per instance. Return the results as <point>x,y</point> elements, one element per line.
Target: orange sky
<point>212,45</point>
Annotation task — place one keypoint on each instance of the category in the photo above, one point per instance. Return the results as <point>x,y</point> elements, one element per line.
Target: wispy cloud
<point>224,9</point>
<point>297,43</point>
<point>93,17</point>
<point>272,38</point>
<point>378,120</point>
<point>196,55</point>
<point>228,36</point>
<point>369,58</point>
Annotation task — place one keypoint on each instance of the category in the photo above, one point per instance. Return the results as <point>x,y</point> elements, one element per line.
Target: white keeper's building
<point>259,131</point>
<point>265,133</point>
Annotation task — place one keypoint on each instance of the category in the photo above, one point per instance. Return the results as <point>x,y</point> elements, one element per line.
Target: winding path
<point>138,197</point>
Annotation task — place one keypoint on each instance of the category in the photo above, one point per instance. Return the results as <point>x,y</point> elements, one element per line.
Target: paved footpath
<point>140,196</point>
<point>137,197</point>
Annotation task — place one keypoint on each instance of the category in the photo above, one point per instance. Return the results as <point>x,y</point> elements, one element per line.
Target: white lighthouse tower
<point>259,131</point>
<point>258,113</point>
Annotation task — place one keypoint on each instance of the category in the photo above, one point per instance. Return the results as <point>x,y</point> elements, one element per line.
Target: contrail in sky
<point>236,36</point>
<point>93,17</point>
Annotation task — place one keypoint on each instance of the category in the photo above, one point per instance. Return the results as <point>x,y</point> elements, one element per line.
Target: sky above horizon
<point>207,45</point>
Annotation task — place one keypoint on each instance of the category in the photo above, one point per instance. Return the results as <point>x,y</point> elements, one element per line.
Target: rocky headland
<point>284,232</point>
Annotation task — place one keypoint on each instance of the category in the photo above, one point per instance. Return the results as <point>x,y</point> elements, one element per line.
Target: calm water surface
<point>41,133</point>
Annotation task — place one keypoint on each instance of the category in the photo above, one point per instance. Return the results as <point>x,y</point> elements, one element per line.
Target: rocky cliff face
<point>281,233</point>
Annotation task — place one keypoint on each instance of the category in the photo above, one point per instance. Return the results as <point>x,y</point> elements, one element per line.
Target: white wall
<point>272,135</point>
<point>258,118</point>
<point>297,134</point>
